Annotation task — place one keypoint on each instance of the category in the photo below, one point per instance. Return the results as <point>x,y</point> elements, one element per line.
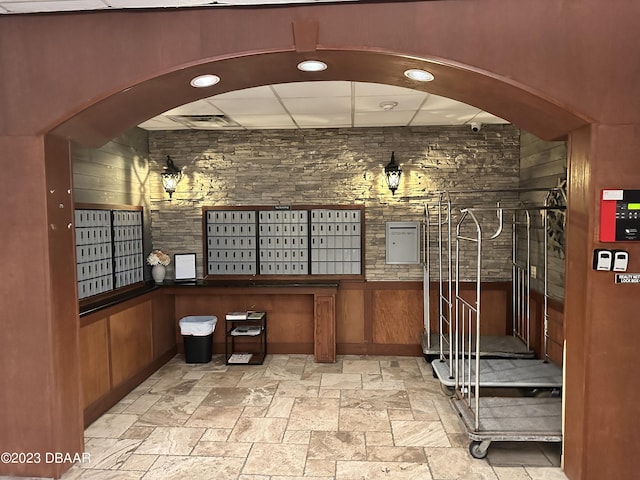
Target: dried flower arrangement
<point>158,257</point>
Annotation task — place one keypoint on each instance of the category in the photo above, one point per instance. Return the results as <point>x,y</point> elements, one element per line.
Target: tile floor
<point>362,418</point>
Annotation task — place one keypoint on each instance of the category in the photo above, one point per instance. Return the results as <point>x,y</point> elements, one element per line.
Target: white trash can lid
<point>198,325</point>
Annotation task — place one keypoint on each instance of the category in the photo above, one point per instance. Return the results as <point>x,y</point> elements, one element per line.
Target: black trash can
<point>197,334</point>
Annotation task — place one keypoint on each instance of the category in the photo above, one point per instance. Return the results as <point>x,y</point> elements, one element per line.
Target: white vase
<point>158,272</point>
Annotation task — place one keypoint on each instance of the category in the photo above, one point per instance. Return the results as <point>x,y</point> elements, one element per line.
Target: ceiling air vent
<point>205,122</point>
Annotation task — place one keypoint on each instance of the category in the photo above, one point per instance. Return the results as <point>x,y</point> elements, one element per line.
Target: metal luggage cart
<point>496,418</point>
<point>439,344</point>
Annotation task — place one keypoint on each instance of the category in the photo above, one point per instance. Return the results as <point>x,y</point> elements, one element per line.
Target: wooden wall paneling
<point>324,328</point>
<point>289,317</point>
<point>350,314</point>
<point>397,314</point>
<point>94,364</point>
<point>131,339</point>
<point>164,324</point>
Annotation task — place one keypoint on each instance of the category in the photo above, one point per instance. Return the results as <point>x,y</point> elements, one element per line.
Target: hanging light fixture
<point>392,172</point>
<point>170,177</point>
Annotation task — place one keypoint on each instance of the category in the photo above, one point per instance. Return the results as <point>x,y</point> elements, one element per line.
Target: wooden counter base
<point>302,317</point>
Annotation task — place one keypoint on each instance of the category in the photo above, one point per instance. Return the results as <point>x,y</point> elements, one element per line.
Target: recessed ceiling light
<point>419,75</point>
<point>312,66</point>
<point>202,81</point>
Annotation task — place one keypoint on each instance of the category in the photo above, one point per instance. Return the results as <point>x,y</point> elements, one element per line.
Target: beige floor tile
<point>337,446</point>
<point>110,425</point>
<point>510,454</point>
<point>139,462</point>
<point>214,417</point>
<point>276,459</point>
<point>370,417</point>
<point>171,441</point>
<point>511,473</point>
<point>407,433</point>
<point>142,404</point>
<point>320,468</point>
<point>361,366</point>
<point>300,437</point>
<point>108,453</point>
<point>298,388</point>
<point>190,468</point>
<point>314,414</point>
<point>349,470</point>
<point>258,430</point>
<point>221,449</point>
<point>363,420</point>
<point>384,439</point>
<point>341,380</point>
<point>215,435</point>
<point>374,399</point>
<point>235,396</point>
<point>280,406</point>
<point>539,473</point>
<point>137,432</point>
<point>396,454</point>
<point>110,475</point>
<point>456,464</point>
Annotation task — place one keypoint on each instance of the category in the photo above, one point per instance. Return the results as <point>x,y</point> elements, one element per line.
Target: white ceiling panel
<point>390,118</point>
<point>313,89</point>
<point>332,120</point>
<point>255,122</point>
<point>253,106</point>
<point>327,105</point>
<point>374,103</point>
<point>324,105</point>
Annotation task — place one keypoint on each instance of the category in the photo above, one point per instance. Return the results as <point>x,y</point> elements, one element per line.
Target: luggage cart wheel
<point>479,449</point>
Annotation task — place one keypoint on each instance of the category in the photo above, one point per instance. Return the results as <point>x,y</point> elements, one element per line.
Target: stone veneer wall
<point>328,167</point>
<point>543,165</point>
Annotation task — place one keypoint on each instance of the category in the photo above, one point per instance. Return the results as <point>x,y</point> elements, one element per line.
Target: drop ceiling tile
<point>162,123</point>
<point>327,105</point>
<point>334,120</point>
<point>246,106</point>
<point>370,89</point>
<point>195,108</point>
<point>372,103</point>
<point>264,121</point>
<point>391,118</point>
<point>313,89</point>
<point>247,93</point>
<point>437,102</point>
<point>444,117</point>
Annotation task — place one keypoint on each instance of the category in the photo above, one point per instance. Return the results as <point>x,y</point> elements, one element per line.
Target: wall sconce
<point>170,177</point>
<point>392,172</point>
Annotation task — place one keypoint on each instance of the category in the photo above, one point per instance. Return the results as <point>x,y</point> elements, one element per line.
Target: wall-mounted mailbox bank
<point>620,216</point>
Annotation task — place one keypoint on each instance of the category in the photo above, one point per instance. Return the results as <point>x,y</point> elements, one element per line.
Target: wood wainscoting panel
<point>131,339</point>
<point>396,313</point>
<point>94,361</point>
<point>164,325</point>
<point>350,315</point>
<point>325,328</point>
<point>289,316</point>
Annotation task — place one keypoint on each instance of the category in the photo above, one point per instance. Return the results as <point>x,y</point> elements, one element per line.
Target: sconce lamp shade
<point>392,172</point>
<point>170,177</point>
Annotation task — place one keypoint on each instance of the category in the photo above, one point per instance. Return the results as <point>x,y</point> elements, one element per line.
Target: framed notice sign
<point>185,267</point>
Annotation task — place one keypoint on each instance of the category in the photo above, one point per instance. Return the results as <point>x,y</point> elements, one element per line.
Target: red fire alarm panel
<point>620,216</point>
